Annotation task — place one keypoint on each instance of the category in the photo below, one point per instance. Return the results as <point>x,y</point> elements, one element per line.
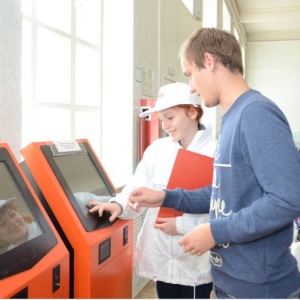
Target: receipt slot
<point>34,262</point>
<point>69,174</point>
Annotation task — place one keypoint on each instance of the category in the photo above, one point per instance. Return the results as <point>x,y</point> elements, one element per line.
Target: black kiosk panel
<point>25,236</point>
<point>82,180</point>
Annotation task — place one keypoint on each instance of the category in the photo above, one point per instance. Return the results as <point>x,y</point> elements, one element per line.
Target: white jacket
<point>158,255</point>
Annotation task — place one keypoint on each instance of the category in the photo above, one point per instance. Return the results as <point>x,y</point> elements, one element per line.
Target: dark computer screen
<point>25,235</point>
<point>82,179</point>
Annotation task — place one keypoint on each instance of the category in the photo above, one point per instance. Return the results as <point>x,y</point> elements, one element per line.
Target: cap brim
<point>166,106</point>
<point>148,112</point>
<point>156,109</point>
<point>8,201</point>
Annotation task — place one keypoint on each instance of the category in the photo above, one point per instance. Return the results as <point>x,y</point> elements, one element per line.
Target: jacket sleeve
<point>141,177</point>
<point>192,202</point>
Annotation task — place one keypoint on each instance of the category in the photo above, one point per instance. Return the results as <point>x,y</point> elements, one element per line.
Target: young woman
<point>158,255</point>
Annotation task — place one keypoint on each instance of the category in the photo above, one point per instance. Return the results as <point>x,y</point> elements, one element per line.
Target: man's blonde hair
<point>221,44</point>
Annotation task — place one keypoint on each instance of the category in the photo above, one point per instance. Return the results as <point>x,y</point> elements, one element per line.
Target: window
<point>77,77</point>
<point>61,70</point>
<point>226,18</point>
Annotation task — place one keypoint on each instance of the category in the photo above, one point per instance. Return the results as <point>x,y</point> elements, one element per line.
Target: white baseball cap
<point>6,202</point>
<point>171,95</point>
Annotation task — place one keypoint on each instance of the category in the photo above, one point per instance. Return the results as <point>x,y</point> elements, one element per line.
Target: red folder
<point>191,170</point>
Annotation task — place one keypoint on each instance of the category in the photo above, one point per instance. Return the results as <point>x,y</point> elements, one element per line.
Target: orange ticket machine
<point>69,174</point>
<point>34,262</point>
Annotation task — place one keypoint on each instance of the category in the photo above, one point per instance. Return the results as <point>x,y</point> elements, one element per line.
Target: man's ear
<point>209,61</point>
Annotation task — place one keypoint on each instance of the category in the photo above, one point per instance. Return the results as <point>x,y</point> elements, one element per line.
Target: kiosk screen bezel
<point>89,221</point>
<point>26,255</point>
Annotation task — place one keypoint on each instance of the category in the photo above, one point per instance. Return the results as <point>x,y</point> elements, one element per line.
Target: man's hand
<point>100,207</point>
<point>167,225</point>
<point>198,241</point>
<point>145,197</point>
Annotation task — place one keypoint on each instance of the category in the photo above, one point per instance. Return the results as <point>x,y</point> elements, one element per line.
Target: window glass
<point>55,13</point>
<point>236,34</point>
<point>226,18</point>
<point>53,123</point>
<point>26,7</point>
<point>87,125</point>
<point>210,13</point>
<point>87,85</point>
<point>88,20</point>
<point>53,79</point>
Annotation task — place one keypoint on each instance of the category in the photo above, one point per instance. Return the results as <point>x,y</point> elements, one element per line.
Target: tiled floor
<point>148,291</point>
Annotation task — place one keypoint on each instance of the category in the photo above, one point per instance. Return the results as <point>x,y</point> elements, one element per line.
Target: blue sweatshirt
<point>253,200</point>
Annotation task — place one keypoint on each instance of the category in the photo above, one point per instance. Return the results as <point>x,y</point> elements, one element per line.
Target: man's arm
<point>193,202</point>
<point>145,197</point>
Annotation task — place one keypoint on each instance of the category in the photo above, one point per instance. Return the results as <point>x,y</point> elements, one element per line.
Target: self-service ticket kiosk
<point>34,262</point>
<point>69,174</point>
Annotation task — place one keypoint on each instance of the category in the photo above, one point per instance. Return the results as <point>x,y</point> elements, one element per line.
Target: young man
<point>255,195</point>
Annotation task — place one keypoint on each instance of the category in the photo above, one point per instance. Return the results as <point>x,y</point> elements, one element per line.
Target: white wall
<point>273,68</point>
<point>10,74</point>
<point>160,27</point>
<point>176,25</point>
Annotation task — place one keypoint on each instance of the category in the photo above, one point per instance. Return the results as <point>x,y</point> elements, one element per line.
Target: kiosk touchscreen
<point>69,174</point>
<point>34,262</point>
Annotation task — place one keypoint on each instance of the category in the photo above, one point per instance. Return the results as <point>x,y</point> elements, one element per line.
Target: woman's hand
<point>167,225</point>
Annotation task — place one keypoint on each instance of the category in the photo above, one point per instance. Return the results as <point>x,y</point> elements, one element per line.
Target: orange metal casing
<point>113,277</point>
<point>39,278</point>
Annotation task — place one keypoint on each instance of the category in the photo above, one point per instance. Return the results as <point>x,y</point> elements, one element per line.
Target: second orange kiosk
<point>69,174</point>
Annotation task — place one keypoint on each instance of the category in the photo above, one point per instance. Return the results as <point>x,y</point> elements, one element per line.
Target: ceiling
<point>267,20</point>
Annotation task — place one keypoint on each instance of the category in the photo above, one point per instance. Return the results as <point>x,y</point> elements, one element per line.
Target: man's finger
<point>181,242</point>
<point>133,205</point>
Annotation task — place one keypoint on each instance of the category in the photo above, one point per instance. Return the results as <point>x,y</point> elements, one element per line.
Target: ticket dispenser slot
<point>29,254</point>
<point>56,278</point>
<point>125,235</point>
<point>69,174</point>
